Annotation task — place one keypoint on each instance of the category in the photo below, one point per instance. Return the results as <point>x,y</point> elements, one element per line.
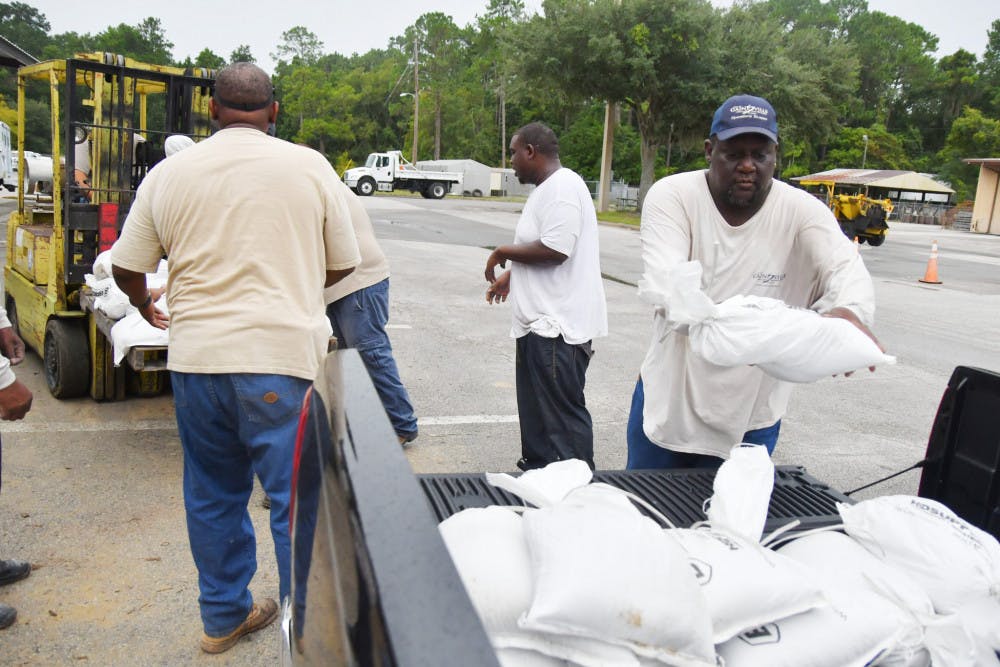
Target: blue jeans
<point>644,454</point>
<point>232,426</point>
<point>358,321</point>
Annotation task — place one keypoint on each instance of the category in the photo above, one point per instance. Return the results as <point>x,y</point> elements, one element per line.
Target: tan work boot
<point>260,616</point>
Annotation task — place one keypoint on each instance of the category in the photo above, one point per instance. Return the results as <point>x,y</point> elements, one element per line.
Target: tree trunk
<point>437,126</point>
<point>648,148</point>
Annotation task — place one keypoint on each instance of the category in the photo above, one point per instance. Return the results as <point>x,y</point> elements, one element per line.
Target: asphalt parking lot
<point>91,491</point>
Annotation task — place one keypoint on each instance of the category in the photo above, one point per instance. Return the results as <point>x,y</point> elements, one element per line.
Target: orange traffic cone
<point>930,275</point>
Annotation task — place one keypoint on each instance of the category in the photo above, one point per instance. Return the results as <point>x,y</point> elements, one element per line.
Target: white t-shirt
<point>792,249</point>
<point>250,224</point>
<point>560,299</point>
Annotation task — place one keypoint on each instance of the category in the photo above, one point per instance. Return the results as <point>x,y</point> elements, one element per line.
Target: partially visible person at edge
<point>358,308</point>
<point>255,228</point>
<point>557,301</point>
<point>15,401</point>
<point>753,235</point>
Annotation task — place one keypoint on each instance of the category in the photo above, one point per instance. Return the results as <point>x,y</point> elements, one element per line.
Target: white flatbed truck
<point>386,172</point>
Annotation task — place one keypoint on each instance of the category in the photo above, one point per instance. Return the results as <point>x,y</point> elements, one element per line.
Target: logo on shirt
<point>765,279</point>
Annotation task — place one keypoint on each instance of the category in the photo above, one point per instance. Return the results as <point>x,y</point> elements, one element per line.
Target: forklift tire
<point>436,190</point>
<point>66,359</point>
<point>876,241</point>
<point>366,186</point>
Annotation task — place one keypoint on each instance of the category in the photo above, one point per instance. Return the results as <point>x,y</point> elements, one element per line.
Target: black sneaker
<point>406,438</point>
<point>7,616</point>
<point>13,570</point>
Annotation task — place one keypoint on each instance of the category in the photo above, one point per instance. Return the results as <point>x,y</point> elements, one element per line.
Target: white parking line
<point>467,419</point>
<point>76,427</point>
<point>398,326</point>
<point>171,425</point>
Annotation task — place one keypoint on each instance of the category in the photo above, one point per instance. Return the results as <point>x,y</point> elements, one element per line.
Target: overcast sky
<point>356,26</point>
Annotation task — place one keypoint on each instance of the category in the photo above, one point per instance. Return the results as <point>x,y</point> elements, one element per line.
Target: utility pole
<point>607,152</point>
<point>864,156</point>
<point>416,99</point>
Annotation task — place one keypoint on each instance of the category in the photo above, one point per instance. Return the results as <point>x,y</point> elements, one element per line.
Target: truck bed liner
<point>678,494</point>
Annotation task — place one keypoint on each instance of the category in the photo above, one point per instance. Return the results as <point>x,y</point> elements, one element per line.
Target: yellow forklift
<point>110,117</point>
<point>859,216</point>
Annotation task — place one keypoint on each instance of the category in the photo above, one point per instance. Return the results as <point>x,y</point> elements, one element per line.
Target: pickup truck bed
<point>373,583</point>
<point>678,494</point>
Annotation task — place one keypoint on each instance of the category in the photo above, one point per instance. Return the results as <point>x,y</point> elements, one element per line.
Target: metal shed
<point>986,211</point>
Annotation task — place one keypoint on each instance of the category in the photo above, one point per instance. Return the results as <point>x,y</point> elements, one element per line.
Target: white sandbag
<point>133,330</point>
<point>568,649</point>
<point>490,552</point>
<point>102,265</point>
<point>518,657</point>
<point>854,634</point>
<point>603,571</point>
<point>791,344</point>
<point>951,559</point>
<point>746,585</point>
<point>545,486</point>
<point>742,492</point>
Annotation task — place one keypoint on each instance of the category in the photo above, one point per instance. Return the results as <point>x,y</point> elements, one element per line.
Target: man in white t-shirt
<point>753,236</point>
<point>254,228</point>
<point>557,298</point>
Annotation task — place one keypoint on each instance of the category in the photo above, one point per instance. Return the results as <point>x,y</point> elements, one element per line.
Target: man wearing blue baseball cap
<point>753,236</point>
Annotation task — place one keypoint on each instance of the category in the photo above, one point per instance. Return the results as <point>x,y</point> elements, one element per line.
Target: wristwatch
<point>149,300</point>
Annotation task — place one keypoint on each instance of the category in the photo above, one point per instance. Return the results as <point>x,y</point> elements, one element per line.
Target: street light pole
<point>864,156</point>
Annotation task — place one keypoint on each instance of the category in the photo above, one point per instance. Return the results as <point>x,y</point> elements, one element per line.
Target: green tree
<point>972,135</point>
<point>989,71</point>
<point>321,107</point>
<point>872,147</point>
<point>659,58</point>
<point>146,42</point>
<point>205,58</point>
<point>298,46</point>
<point>241,54</point>
<point>441,49</point>
<point>25,26</point>
<point>892,53</point>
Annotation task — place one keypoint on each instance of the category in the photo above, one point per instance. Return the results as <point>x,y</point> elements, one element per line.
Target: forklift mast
<point>110,117</point>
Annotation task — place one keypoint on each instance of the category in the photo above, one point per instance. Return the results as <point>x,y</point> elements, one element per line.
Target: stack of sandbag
<point>584,579</point>
<point>130,329</point>
<point>791,344</point>
<point>108,298</point>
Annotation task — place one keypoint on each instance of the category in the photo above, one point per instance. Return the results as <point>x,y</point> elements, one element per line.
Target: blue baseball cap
<point>742,114</point>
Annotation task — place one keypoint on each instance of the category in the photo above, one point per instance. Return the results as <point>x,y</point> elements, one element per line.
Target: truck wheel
<point>477,193</point>
<point>66,359</point>
<point>366,186</point>
<point>876,241</point>
<point>437,190</point>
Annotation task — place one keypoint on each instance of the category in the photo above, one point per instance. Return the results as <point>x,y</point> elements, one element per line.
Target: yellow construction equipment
<point>859,216</point>
<point>110,116</point>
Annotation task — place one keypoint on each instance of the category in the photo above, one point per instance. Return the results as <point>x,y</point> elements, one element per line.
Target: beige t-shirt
<point>374,267</point>
<point>250,225</point>
<point>792,249</point>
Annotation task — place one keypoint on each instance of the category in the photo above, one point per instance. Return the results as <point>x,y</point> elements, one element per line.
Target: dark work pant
<point>555,422</point>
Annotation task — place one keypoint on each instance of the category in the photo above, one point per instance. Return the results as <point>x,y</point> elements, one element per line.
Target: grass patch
<point>621,217</point>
